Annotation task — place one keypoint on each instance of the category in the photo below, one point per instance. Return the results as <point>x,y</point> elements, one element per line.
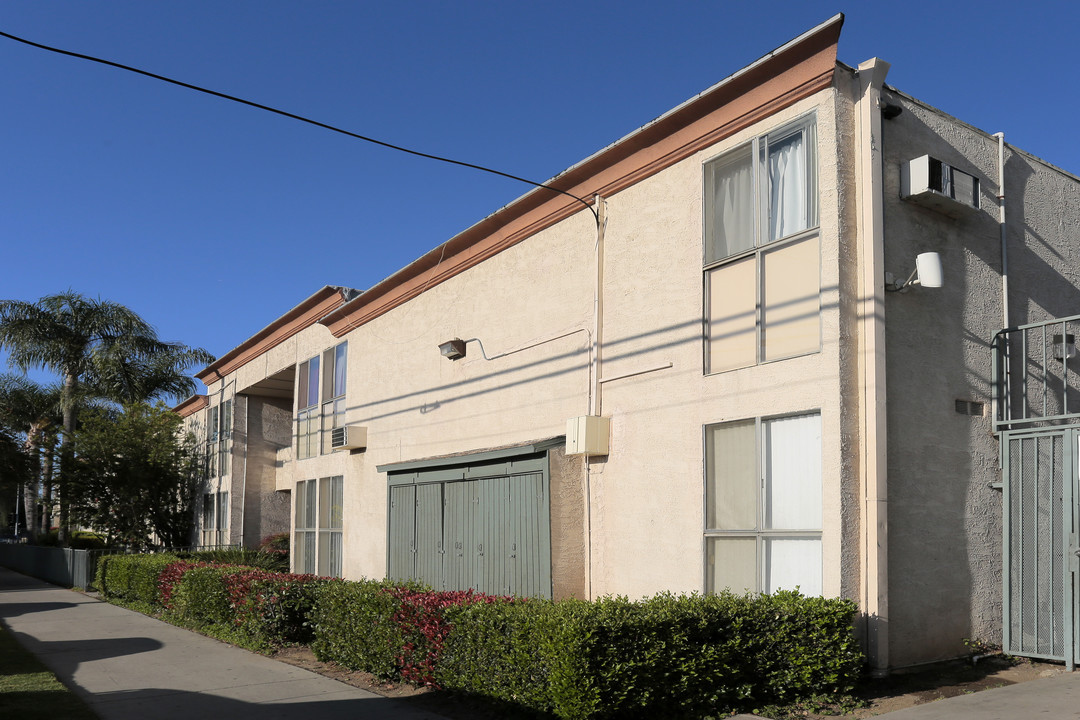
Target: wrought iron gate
<point>1040,567</point>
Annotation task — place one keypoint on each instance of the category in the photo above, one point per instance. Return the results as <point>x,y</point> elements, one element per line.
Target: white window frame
<point>317,527</point>
<point>762,533</point>
<point>761,245</point>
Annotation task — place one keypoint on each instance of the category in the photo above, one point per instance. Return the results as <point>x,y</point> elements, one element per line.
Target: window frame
<point>318,515</point>
<point>761,533</point>
<point>762,244</point>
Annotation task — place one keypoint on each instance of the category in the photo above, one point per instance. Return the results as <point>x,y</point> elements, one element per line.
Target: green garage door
<point>479,521</point>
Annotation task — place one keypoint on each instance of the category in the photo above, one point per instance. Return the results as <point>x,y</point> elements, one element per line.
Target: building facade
<point>686,372</point>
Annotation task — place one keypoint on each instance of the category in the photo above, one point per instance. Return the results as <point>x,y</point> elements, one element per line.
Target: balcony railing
<point>1036,371</point>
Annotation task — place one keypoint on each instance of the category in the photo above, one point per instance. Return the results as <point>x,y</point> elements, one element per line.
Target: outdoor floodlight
<point>453,349</point>
<point>1065,346</point>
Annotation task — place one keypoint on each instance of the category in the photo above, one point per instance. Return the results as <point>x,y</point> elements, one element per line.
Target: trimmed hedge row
<point>667,656</point>
<point>267,608</point>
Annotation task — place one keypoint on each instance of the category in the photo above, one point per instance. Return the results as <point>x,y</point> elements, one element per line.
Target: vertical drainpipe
<point>871,333</point>
<point>595,388</point>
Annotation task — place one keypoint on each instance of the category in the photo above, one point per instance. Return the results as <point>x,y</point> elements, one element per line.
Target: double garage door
<point>479,522</point>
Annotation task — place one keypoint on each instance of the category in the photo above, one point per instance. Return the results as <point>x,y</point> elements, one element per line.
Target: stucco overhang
<point>192,405</point>
<point>790,73</point>
<point>304,315</point>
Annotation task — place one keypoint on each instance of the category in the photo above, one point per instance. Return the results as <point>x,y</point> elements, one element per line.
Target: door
<point>1040,565</point>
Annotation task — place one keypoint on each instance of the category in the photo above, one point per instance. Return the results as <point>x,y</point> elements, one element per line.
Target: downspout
<point>595,388</point>
<point>872,397</point>
<point>997,397</point>
<point>1001,225</point>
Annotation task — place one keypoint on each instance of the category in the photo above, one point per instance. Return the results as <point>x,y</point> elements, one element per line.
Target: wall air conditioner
<point>348,437</point>
<point>931,183</point>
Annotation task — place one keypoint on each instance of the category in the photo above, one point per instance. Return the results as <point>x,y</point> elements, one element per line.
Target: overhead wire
<point>301,118</point>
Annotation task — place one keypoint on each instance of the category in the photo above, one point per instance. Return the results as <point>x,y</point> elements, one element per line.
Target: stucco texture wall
<point>945,543</point>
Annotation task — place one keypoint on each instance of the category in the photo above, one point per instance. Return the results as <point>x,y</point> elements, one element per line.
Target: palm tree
<point>97,342</point>
<point>33,412</point>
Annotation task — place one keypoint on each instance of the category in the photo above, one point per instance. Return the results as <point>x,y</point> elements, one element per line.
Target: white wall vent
<point>348,437</point>
<point>929,182</point>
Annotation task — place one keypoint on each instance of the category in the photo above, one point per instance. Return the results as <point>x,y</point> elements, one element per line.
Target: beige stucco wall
<point>647,496</point>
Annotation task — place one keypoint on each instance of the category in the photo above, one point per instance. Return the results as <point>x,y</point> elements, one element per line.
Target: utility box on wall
<point>587,435</point>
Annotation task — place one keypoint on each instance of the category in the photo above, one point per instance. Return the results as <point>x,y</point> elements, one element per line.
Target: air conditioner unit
<point>937,185</point>
<point>348,437</point>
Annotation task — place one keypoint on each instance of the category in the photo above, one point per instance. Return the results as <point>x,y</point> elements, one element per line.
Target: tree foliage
<point>134,476</point>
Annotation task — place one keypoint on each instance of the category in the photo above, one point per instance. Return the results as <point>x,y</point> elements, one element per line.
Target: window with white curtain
<point>762,263</point>
<point>763,505</point>
<point>317,528</point>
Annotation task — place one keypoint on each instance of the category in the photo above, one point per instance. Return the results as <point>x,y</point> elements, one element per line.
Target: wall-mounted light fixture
<point>1065,346</point>
<point>927,273</point>
<point>453,349</point>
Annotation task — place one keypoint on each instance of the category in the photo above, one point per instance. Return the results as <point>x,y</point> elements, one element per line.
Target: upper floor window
<point>762,262</point>
<point>307,407</point>
<point>320,377</point>
<point>333,415</point>
<point>219,439</point>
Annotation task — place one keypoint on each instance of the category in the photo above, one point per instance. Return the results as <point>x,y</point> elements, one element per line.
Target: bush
<point>274,562</point>
<point>670,656</point>
<point>132,577</point>
<point>354,623</point>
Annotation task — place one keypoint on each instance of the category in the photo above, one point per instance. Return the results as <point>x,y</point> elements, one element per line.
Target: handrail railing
<point>1035,374</point>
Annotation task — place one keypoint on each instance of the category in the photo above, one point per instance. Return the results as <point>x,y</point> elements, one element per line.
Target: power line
<point>301,118</point>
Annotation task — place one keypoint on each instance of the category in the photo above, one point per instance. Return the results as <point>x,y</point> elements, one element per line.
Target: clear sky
<point>211,219</point>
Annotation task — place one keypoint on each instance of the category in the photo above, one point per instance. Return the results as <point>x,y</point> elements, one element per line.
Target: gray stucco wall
<point>945,543</point>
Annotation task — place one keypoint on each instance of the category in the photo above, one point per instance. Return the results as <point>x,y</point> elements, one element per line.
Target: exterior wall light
<point>453,349</point>
<point>1065,346</point>
<point>927,273</point>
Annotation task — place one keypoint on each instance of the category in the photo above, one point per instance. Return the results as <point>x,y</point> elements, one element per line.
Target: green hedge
<point>669,656</point>
<point>132,577</point>
<point>354,626</point>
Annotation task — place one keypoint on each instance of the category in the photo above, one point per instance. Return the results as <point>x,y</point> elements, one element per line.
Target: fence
<point>60,566</point>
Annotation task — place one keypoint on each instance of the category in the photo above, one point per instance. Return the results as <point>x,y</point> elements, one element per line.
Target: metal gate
<point>1040,568</point>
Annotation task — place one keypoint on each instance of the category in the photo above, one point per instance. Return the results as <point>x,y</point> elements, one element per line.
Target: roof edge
<point>305,314</point>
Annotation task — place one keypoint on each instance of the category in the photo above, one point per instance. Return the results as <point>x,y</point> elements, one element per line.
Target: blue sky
<point>211,219</point>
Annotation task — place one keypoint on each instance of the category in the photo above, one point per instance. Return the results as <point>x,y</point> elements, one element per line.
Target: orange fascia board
<point>304,315</point>
<point>794,71</point>
<point>192,405</point>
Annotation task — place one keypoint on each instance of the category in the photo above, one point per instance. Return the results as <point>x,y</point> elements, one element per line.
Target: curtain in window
<point>339,370</point>
<point>788,194</point>
<point>731,216</point>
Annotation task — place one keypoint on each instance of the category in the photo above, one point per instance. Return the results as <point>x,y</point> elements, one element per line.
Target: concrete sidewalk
<point>1056,697</point>
<point>128,666</point>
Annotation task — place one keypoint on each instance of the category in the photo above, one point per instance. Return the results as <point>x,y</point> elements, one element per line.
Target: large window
<point>763,505</point>
<point>762,263</point>
<point>315,420</point>
<point>333,386</point>
<point>215,520</point>
<point>307,409</point>
<point>219,439</point>
<point>317,545</point>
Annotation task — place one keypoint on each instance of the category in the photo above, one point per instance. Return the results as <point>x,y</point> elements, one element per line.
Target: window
<point>215,520</point>
<point>333,414</point>
<point>762,251</point>
<point>317,545</point>
<point>315,421</point>
<point>307,406</point>
<point>763,505</point>
<point>219,439</point>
